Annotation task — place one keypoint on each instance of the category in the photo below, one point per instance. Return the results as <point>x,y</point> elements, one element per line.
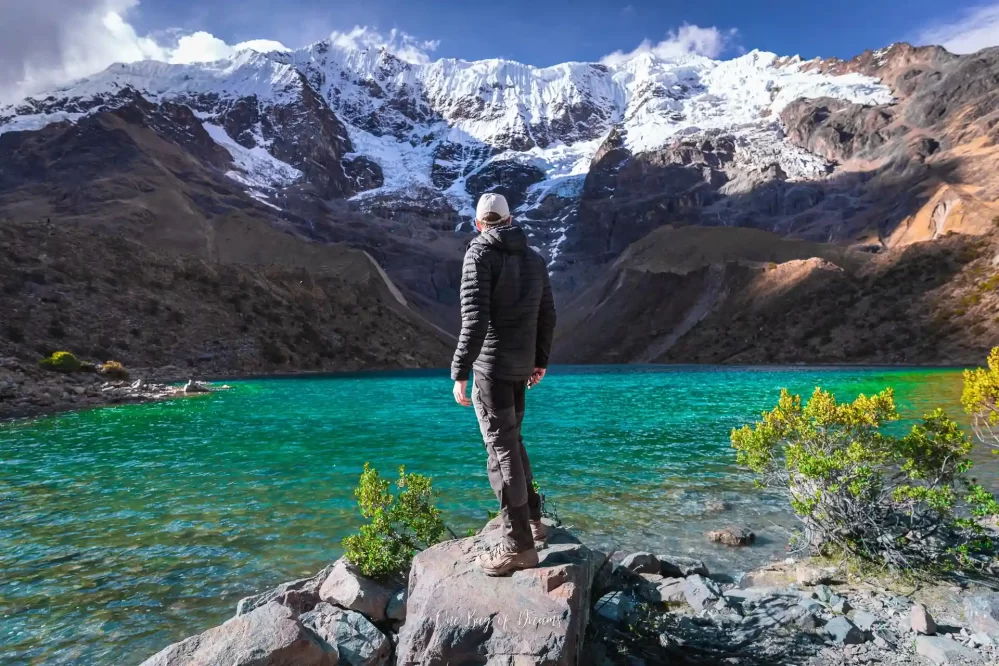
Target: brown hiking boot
<point>503,559</point>
<point>539,530</point>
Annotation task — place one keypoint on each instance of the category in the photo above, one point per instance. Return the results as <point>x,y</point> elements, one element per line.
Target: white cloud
<point>45,43</point>
<point>400,44</point>
<point>976,29</point>
<point>689,39</point>
<point>205,47</point>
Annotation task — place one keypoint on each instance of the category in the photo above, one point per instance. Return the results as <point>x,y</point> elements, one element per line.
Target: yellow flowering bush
<point>901,501</point>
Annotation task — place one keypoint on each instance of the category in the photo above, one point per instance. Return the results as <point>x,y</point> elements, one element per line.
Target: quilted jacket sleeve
<point>476,291</point>
<point>546,323</point>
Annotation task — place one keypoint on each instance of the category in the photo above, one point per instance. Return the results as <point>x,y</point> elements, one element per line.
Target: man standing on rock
<point>507,324</point>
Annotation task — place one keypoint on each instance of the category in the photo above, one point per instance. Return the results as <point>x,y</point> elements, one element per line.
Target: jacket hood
<point>506,238</point>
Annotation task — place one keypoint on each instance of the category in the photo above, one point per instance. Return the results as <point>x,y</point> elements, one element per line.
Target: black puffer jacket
<point>507,310</point>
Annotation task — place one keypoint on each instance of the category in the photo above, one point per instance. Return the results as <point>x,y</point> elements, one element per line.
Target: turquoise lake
<point>125,529</point>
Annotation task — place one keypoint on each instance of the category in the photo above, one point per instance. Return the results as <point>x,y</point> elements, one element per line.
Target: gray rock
<point>612,607</point>
<point>268,636</point>
<point>680,567</point>
<point>838,604</point>
<point>940,650</point>
<point>458,615</point>
<point>865,621</point>
<point>886,636</point>
<point>396,609</point>
<point>823,593</point>
<point>807,623</point>
<point>811,605</point>
<point>749,594</point>
<point>642,563</point>
<point>921,621</point>
<point>981,639</point>
<point>777,612</point>
<point>700,591</point>
<point>346,587</point>
<point>195,387</point>
<point>732,536</point>
<point>843,632</point>
<point>982,612</point>
<point>307,587</point>
<point>358,642</point>
<point>812,576</point>
<point>668,590</point>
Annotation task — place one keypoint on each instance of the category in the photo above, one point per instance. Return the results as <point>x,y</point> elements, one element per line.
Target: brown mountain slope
<point>69,287</point>
<point>930,302</point>
<point>151,173</point>
<point>122,237</point>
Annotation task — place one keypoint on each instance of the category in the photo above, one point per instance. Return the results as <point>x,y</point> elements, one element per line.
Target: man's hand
<point>461,393</point>
<point>539,374</point>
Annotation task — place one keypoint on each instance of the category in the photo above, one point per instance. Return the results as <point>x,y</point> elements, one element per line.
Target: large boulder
<point>640,563</point>
<point>268,636</point>
<point>358,642</point>
<point>346,587</point>
<point>675,566</point>
<point>458,615</point>
<point>732,536</point>
<point>982,611</point>
<point>700,591</point>
<point>944,651</point>
<point>300,595</point>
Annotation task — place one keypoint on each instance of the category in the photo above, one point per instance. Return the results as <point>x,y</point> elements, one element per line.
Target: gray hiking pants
<point>499,406</point>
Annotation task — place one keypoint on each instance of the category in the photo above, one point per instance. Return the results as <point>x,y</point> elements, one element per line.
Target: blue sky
<point>46,43</point>
<point>551,31</point>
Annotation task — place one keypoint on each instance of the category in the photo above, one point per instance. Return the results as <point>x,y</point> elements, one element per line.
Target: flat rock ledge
<point>458,615</point>
<point>451,613</point>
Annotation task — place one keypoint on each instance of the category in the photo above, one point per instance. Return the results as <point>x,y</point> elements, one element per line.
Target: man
<point>507,324</point>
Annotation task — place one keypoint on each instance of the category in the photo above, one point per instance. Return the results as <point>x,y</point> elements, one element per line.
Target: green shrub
<point>114,370</point>
<point>901,501</point>
<point>981,399</point>
<point>61,361</point>
<point>399,525</point>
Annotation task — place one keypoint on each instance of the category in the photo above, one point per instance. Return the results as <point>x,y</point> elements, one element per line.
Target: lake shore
<point>181,509</point>
<point>28,391</point>
<point>583,606</point>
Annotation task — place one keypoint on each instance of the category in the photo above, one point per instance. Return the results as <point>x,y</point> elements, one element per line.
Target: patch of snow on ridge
<point>257,169</point>
<point>728,95</point>
<point>398,113</point>
<point>36,121</point>
<point>405,168</point>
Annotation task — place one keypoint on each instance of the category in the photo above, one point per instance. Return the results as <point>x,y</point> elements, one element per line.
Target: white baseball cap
<point>492,203</point>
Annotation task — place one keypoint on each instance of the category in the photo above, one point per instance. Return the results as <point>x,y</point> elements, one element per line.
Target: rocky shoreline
<point>27,390</point>
<point>580,606</point>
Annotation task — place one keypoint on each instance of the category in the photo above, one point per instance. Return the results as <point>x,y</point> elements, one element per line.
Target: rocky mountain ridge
<point>364,124</point>
<point>337,146</point>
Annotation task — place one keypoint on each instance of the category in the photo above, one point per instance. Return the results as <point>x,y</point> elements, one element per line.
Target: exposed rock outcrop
<point>269,636</point>
<point>346,587</point>
<point>356,639</point>
<point>456,614</point>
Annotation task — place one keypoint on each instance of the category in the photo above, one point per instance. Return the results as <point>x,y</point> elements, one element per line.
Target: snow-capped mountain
<point>366,125</point>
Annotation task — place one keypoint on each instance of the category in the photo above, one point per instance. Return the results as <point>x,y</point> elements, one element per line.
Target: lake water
<point>125,529</point>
